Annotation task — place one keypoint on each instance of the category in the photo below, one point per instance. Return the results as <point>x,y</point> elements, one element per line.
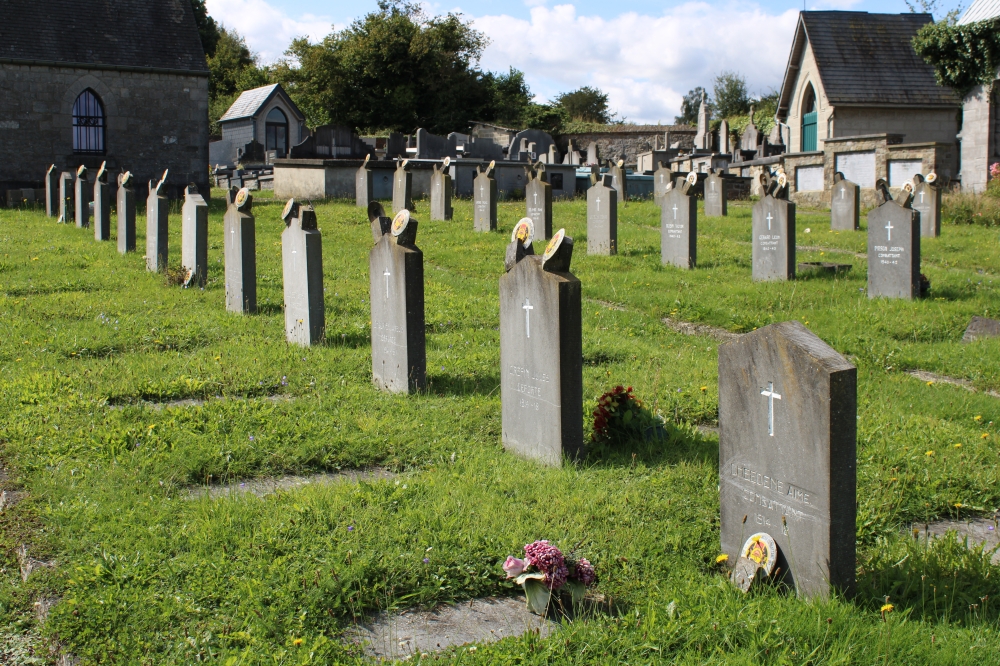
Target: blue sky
<point>646,55</point>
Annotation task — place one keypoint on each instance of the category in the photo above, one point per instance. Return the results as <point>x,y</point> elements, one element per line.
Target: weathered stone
<point>773,239</point>
<point>661,178</point>
<point>240,249</point>
<point>194,236</point>
<point>541,346</point>
<point>619,179</point>
<point>102,206</point>
<point>82,193</point>
<point>716,196</point>
<point>484,200</point>
<point>602,218</point>
<point>364,186</point>
<point>157,213</point>
<point>441,192</point>
<point>927,202</point>
<point>302,270</point>
<point>52,192</point>
<point>125,211</point>
<point>787,454</point>
<point>679,227</point>
<point>396,279</point>
<point>894,251</point>
<point>402,187</point>
<point>538,200</point>
<point>845,204</point>
<point>66,179</point>
<point>981,328</point>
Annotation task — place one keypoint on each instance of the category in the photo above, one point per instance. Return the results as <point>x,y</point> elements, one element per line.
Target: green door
<point>809,121</point>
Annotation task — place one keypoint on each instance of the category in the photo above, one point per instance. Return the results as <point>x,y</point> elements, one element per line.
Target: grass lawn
<point>147,575</point>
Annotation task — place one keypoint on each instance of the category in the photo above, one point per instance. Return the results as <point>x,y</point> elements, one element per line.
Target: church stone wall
<point>154,121</point>
<point>979,140</point>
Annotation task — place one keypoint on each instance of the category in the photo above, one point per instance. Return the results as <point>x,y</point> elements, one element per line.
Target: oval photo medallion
<point>524,231</point>
<point>288,208</point>
<point>931,177</point>
<point>782,180</point>
<point>446,162</point>
<point>908,186</point>
<point>493,164</point>
<point>241,197</point>
<point>100,172</point>
<point>621,163</point>
<point>692,178</point>
<point>367,157</point>
<point>405,162</point>
<point>550,249</point>
<point>126,178</point>
<point>81,170</point>
<point>400,221</point>
<point>761,550</point>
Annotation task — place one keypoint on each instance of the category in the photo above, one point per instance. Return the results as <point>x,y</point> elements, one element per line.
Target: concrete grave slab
<point>82,196</point>
<point>402,187</point>
<point>66,179</point>
<point>102,205</point>
<point>52,192</point>
<point>364,186</point>
<point>716,196</point>
<point>927,202</point>
<point>484,193</point>
<point>441,189</point>
<point>538,201</point>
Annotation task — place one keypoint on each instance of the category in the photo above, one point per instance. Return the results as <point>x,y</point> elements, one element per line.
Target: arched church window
<point>810,119</point>
<point>88,124</point>
<point>276,132</point>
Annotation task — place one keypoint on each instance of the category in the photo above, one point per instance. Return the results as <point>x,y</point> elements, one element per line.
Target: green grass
<point>145,575</point>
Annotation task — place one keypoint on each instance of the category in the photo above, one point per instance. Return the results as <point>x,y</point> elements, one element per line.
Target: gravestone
<point>541,350</point>
<point>125,210</point>
<point>240,240</point>
<point>845,204</point>
<point>773,232</point>
<point>662,178</point>
<point>52,192</point>
<point>602,218</point>
<point>679,225</point>
<point>157,213</point>
<point>66,179</point>
<point>194,236</point>
<point>927,202</point>
<point>725,143</point>
<point>81,198</point>
<point>787,454</point>
<point>396,290</point>
<point>484,192</point>
<point>364,186</point>
<point>716,196</point>
<point>593,153</point>
<point>302,270</point>
<point>619,179</point>
<point>981,328</point>
<point>703,138</point>
<point>402,187</point>
<point>102,205</point>
<point>538,199</point>
<point>441,191</point>
<point>893,247</point>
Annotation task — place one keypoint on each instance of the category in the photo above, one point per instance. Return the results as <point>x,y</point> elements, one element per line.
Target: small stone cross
<point>769,218</point>
<point>675,211</point>
<point>771,397</point>
<point>889,228</point>
<point>387,274</point>
<point>527,307</point>
<point>598,203</point>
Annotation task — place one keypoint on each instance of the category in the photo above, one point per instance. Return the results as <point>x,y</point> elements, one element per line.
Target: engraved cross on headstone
<point>527,307</point>
<point>675,211</point>
<point>769,218</point>
<point>771,397</point>
<point>889,228</point>
<point>598,203</point>
<point>386,274</point>
<point>843,191</point>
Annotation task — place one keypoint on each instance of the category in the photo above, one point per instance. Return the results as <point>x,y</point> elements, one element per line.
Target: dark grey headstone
<point>927,202</point>
<point>679,228</point>
<point>662,177</point>
<point>980,328</point>
<point>893,251</point>
<point>364,187</point>
<point>66,179</point>
<point>845,206</point>
<point>125,210</point>
<point>302,271</point>
<point>441,194</point>
<point>787,453</point>
<point>194,235</point>
<point>82,196</point>
<point>157,213</point>
<point>541,346</point>
<point>52,192</point>
<point>716,196</point>
<point>240,250</point>
<point>773,239</point>
<point>619,181</point>
<point>484,193</point>
<point>538,202</point>
<point>102,207</point>
<point>602,218</point>
<point>402,188</point>
<point>396,271</point>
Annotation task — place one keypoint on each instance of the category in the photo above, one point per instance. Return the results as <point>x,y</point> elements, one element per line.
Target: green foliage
<point>208,30</point>
<point>730,96</point>
<point>690,106</point>
<point>981,209</point>
<point>545,117</point>
<point>963,56</point>
<point>232,69</point>
<point>509,98</point>
<point>585,104</point>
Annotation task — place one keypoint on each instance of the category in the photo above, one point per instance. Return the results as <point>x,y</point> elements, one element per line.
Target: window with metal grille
<point>88,124</point>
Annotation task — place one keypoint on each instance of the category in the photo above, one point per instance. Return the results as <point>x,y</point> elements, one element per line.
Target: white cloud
<point>268,30</point>
<point>645,63</point>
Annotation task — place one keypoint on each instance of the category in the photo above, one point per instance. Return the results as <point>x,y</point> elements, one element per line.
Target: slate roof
<point>249,103</point>
<point>980,10</point>
<point>144,34</point>
<point>865,60</point>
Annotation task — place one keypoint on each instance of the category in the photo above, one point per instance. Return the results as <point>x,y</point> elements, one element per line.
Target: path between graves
<point>929,377</point>
<point>271,485</point>
<point>685,327</point>
<point>977,531</point>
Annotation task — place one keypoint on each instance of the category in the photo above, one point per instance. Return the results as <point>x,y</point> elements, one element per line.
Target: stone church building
<point>980,135</point>
<point>84,82</point>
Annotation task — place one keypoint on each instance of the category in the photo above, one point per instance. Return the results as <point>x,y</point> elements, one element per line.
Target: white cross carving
<point>675,211</point>
<point>536,198</point>
<point>771,396</point>
<point>527,307</point>
<point>843,191</point>
<point>713,185</point>
<point>387,274</point>
<point>661,179</point>
<point>598,204</point>
<point>889,228</point>
<point>921,196</point>
<point>481,186</point>
<point>769,218</point>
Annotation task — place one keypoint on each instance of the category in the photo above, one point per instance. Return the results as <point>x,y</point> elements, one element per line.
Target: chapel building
<point>262,124</point>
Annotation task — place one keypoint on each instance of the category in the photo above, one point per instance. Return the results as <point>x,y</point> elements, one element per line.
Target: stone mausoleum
<point>84,82</point>
<point>260,121</point>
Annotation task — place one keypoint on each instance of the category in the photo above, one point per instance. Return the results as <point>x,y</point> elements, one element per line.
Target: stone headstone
<point>787,454</point>
<point>102,205</point>
<point>702,139</point>
<point>716,196</point>
<point>402,187</point>
<point>593,155</point>
<point>679,227</point>
<point>773,236</point>
<point>240,250</point>
<point>725,143</point>
<point>980,328</point>
<point>441,192</point>
<point>538,200</point>
<point>927,202</point>
<point>845,204</point>
<point>750,140</point>
<point>82,193</point>
<point>364,191</point>
<point>602,218</point>
<point>894,249</point>
<point>662,177</point>
<point>541,350</point>
<point>194,236</point>
<point>52,192</point>
<point>125,210</point>
<point>618,179</point>
<point>396,272</point>
<point>484,194</point>
<point>66,179</point>
<point>157,213</point>
<point>302,270</point>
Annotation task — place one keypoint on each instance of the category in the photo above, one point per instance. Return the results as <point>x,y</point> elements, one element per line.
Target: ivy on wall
<point>963,56</point>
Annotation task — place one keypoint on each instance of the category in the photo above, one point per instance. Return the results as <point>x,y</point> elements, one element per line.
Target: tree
<point>232,69</point>
<point>730,95</point>
<point>585,104</point>
<point>546,117</point>
<point>689,107</point>
<point>509,98</point>
<point>208,29</point>
<point>963,56</point>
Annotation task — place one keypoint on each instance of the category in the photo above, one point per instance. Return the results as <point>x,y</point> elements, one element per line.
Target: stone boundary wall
<point>630,140</point>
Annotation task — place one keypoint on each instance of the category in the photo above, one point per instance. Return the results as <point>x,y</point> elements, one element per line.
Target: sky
<point>646,55</point>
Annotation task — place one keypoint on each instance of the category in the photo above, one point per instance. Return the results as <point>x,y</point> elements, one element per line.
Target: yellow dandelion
<point>297,642</point>
<point>958,505</point>
<point>958,446</point>
<point>887,608</point>
<point>704,388</point>
<point>721,559</point>
<point>977,417</point>
<point>929,453</point>
<point>930,383</point>
<point>985,435</point>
